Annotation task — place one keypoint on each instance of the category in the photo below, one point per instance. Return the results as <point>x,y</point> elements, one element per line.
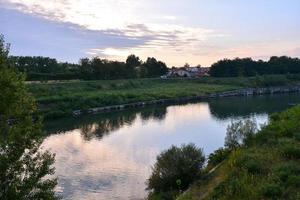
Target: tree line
<point>45,68</point>
<point>248,67</point>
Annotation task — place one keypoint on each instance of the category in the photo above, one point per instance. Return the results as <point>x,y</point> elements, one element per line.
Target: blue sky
<point>174,31</point>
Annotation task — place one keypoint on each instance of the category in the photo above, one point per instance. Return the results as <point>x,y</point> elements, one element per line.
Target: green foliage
<point>251,162</point>
<point>155,68</point>
<point>268,167</point>
<point>133,61</point>
<point>57,99</point>
<point>44,68</point>
<point>176,169</point>
<point>65,96</point>
<point>39,68</point>
<point>297,136</point>
<point>24,167</point>
<point>218,156</point>
<point>239,133</point>
<point>291,150</point>
<point>284,171</point>
<point>272,191</point>
<point>249,67</point>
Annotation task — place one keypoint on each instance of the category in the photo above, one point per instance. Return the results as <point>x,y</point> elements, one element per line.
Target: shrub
<point>218,156</point>
<point>272,191</point>
<point>176,169</point>
<point>297,136</point>
<point>291,151</point>
<point>254,166</point>
<point>239,133</point>
<point>294,181</point>
<point>287,169</point>
<point>251,163</point>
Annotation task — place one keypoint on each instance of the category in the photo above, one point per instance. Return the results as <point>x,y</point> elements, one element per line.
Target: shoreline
<point>232,93</point>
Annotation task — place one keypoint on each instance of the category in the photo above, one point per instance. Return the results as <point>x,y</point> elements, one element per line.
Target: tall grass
<point>59,99</point>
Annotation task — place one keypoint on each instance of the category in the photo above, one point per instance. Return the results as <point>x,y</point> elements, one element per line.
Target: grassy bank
<point>267,168</point>
<point>58,99</point>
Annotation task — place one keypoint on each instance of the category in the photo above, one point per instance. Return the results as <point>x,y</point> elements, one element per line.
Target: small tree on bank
<point>23,166</point>
<point>176,169</point>
<point>238,133</point>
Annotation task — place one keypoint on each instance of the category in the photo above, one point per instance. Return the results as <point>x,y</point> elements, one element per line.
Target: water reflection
<point>244,106</point>
<point>109,156</point>
<point>104,124</point>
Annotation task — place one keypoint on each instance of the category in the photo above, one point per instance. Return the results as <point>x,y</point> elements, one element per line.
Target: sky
<point>174,31</point>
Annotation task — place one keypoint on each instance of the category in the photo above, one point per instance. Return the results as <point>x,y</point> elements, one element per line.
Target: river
<point>109,156</point>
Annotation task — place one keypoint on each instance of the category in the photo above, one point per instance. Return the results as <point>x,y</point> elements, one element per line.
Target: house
<point>188,72</point>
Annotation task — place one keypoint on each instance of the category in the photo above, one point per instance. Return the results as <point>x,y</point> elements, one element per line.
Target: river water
<point>109,156</point>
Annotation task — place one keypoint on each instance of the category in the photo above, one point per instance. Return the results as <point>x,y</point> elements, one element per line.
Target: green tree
<point>24,166</point>
<point>239,133</point>
<point>176,169</point>
<point>133,61</point>
<point>155,68</point>
<point>249,67</point>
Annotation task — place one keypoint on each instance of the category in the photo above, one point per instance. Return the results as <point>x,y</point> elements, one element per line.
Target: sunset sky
<point>174,31</point>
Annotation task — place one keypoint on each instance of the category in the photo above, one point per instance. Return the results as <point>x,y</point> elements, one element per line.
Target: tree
<point>155,68</point>
<point>238,133</point>
<point>249,67</point>
<point>133,61</point>
<point>186,65</point>
<point>176,168</point>
<point>24,167</point>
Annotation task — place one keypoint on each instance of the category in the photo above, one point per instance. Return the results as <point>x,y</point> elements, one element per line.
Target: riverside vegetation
<point>262,164</point>
<point>59,99</point>
<point>100,82</point>
<point>45,68</point>
<point>25,169</point>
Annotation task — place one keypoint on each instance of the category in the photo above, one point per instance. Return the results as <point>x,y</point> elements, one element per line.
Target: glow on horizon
<point>169,34</point>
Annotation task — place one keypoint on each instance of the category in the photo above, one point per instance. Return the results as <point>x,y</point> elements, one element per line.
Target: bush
<point>294,181</point>
<point>176,169</point>
<point>218,156</point>
<point>254,166</point>
<point>297,136</point>
<point>251,163</point>
<point>286,170</point>
<point>240,133</point>
<point>272,191</point>
<point>291,151</point>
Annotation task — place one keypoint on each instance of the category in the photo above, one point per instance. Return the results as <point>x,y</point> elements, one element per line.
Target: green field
<point>58,99</point>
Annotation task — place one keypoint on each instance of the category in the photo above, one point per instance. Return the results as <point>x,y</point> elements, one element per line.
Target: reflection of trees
<point>243,106</point>
<point>100,125</point>
<point>158,114</point>
<point>105,126</point>
<point>114,121</point>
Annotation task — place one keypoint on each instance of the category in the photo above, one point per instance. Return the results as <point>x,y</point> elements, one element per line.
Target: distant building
<point>188,72</point>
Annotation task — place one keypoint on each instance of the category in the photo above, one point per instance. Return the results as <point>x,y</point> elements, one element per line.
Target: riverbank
<point>267,168</point>
<point>64,99</point>
<point>233,93</point>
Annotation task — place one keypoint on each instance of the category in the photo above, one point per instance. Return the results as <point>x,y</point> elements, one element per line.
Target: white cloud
<point>92,14</point>
<point>156,30</point>
<point>169,17</point>
<point>121,18</point>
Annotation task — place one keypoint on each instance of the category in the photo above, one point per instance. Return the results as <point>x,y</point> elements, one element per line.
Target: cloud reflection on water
<point>111,157</point>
